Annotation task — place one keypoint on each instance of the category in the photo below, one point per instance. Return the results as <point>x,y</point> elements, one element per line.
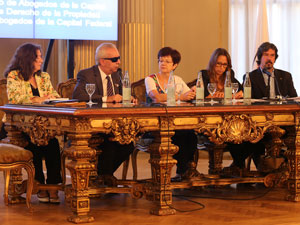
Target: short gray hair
<point>101,50</point>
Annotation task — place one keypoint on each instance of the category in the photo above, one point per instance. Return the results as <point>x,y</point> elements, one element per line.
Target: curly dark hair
<point>23,60</point>
<point>213,61</point>
<point>167,51</point>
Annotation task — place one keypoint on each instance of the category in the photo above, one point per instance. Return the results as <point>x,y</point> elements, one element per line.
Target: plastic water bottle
<point>247,87</point>
<point>126,88</point>
<point>227,87</point>
<point>199,87</point>
<point>171,90</point>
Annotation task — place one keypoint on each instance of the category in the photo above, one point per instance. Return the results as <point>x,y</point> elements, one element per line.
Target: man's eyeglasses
<point>113,59</point>
<point>221,64</point>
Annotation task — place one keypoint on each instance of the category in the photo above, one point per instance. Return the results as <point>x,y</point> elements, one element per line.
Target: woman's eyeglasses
<point>162,61</point>
<point>221,64</point>
<point>113,59</point>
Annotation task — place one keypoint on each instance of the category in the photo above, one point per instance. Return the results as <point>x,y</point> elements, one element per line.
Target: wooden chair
<point>14,157</point>
<point>191,83</point>
<point>65,89</point>
<point>138,90</point>
<point>3,97</point>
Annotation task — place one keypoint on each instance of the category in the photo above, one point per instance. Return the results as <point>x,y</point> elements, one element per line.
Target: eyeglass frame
<point>224,65</point>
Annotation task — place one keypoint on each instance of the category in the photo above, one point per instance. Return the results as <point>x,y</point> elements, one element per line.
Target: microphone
<point>119,71</point>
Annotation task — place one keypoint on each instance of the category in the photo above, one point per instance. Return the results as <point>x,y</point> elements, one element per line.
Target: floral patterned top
<point>154,77</point>
<point>19,91</point>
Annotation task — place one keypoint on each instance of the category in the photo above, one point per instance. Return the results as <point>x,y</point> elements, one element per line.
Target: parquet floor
<point>121,209</point>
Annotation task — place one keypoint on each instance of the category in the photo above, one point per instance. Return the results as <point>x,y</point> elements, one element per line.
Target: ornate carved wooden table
<point>221,123</point>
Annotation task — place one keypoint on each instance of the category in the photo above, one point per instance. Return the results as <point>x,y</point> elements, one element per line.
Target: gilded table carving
<point>124,130</point>
<point>235,129</point>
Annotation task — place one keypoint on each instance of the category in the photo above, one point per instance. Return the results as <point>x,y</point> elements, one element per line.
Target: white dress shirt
<point>104,84</point>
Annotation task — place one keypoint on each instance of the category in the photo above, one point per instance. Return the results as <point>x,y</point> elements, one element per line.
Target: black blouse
<point>35,91</point>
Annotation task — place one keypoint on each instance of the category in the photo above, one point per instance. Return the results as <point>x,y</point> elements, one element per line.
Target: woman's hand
<point>189,95</point>
<point>40,100</point>
<point>134,100</point>
<point>239,94</point>
<point>218,94</point>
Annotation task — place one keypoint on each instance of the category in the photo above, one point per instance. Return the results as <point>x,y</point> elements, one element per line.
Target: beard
<point>268,65</point>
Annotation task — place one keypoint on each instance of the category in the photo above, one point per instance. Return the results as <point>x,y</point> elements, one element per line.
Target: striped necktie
<point>110,91</point>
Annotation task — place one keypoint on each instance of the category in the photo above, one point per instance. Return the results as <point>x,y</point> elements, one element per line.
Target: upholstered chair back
<point>65,89</point>
<point>192,83</point>
<point>138,90</point>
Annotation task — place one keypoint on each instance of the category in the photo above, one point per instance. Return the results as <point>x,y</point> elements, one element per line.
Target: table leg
<point>161,160</point>
<point>80,168</point>
<point>293,154</point>
<point>215,153</point>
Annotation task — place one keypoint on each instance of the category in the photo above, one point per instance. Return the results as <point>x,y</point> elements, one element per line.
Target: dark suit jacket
<point>284,83</point>
<point>92,76</point>
<point>206,80</point>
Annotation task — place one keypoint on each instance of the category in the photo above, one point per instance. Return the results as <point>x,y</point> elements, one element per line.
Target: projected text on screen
<point>59,19</point>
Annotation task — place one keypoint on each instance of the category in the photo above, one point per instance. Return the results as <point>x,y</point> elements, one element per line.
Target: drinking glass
<point>211,87</point>
<point>235,88</point>
<point>90,89</point>
<point>179,89</point>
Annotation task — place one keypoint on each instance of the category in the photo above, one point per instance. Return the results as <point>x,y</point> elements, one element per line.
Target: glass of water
<point>235,88</point>
<point>211,87</point>
<point>179,89</point>
<point>90,89</point>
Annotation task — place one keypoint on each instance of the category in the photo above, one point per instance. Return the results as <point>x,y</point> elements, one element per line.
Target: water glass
<point>211,87</point>
<point>235,88</point>
<point>179,89</point>
<point>90,89</point>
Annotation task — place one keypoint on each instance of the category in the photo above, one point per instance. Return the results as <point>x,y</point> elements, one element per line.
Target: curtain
<point>284,31</point>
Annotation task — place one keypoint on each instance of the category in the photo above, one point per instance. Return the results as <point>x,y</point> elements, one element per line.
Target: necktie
<point>269,87</point>
<point>110,91</point>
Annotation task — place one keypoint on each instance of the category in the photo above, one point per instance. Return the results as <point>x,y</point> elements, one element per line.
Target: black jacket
<point>92,76</point>
<point>284,83</point>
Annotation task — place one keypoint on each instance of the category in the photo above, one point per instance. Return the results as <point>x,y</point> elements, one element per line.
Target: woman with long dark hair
<point>27,84</point>
<point>218,65</point>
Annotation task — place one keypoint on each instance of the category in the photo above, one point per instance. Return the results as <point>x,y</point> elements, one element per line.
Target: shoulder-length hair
<point>213,61</point>
<point>23,60</point>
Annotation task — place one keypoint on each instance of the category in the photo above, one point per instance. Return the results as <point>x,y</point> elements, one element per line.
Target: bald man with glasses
<point>107,78</point>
